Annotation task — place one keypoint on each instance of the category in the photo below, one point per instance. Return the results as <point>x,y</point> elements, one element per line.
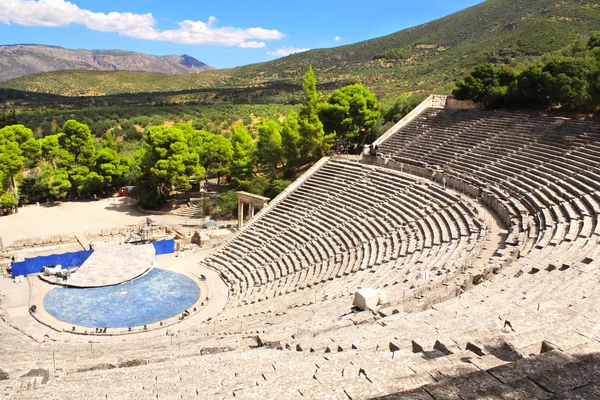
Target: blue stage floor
<point>154,297</point>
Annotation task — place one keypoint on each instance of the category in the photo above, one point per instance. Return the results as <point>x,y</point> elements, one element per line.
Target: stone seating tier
<point>344,219</point>
<point>548,165</point>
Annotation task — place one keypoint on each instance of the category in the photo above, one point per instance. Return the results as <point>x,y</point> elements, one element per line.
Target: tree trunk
<point>13,189</point>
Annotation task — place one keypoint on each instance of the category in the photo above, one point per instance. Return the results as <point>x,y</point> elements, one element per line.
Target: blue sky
<point>220,33</point>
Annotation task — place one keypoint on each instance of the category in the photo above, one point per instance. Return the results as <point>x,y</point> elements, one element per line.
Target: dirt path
<point>75,217</point>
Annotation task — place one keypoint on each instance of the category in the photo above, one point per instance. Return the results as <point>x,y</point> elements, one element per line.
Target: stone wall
<point>39,243</point>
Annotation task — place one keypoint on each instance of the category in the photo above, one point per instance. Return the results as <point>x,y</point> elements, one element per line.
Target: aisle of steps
<point>189,211</point>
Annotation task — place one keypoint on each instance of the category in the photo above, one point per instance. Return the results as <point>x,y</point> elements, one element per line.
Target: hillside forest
<point>259,148</point>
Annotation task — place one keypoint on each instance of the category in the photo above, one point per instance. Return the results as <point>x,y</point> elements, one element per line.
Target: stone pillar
<point>253,201</point>
<point>240,213</point>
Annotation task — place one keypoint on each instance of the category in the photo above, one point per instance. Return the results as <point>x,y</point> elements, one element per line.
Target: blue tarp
<point>164,246</point>
<point>35,264</point>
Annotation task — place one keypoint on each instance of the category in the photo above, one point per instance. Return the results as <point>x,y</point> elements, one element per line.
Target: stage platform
<point>112,265</point>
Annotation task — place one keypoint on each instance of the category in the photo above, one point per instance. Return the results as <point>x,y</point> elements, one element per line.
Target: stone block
<point>66,238</point>
<point>28,242</point>
<point>416,347</point>
<point>17,243</point>
<point>366,299</point>
<point>269,344</point>
<point>37,241</point>
<point>55,239</point>
<point>441,347</point>
<point>475,348</point>
<point>114,231</point>
<point>383,296</point>
<point>547,346</point>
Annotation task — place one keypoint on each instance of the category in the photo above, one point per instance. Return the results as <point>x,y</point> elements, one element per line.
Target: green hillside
<point>425,58</point>
<point>442,50</point>
<point>102,83</point>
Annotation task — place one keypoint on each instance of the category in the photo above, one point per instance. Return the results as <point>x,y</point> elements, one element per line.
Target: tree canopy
<point>290,139</point>
<point>269,146</point>
<point>16,143</point>
<point>352,113</point>
<point>244,157</point>
<point>166,163</point>
<point>569,80</point>
<point>78,154</point>
<point>215,152</point>
<point>485,83</point>
<point>313,141</point>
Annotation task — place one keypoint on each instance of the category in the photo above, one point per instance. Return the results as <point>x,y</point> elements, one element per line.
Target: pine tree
<point>244,154</point>
<point>352,113</point>
<point>269,143</point>
<point>314,144</point>
<point>290,138</point>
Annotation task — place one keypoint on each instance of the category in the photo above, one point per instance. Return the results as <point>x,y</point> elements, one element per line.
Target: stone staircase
<point>189,211</point>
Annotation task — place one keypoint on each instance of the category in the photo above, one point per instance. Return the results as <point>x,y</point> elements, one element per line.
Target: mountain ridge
<point>18,60</point>
<point>431,57</point>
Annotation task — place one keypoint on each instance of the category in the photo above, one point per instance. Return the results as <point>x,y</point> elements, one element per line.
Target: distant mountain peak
<point>191,62</point>
<point>24,59</point>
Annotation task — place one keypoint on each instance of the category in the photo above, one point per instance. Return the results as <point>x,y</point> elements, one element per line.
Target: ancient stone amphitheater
<point>481,226</point>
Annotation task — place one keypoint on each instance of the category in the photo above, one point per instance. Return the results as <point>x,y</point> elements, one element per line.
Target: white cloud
<point>252,45</point>
<point>285,51</point>
<point>337,38</point>
<point>198,32</point>
<point>54,13</point>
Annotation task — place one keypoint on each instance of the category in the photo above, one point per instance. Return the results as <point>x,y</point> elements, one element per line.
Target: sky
<point>222,34</point>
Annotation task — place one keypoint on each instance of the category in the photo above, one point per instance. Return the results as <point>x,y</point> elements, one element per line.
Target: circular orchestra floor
<point>156,296</point>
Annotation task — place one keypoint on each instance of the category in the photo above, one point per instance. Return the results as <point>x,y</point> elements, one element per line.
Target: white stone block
<point>366,299</point>
<point>383,296</point>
